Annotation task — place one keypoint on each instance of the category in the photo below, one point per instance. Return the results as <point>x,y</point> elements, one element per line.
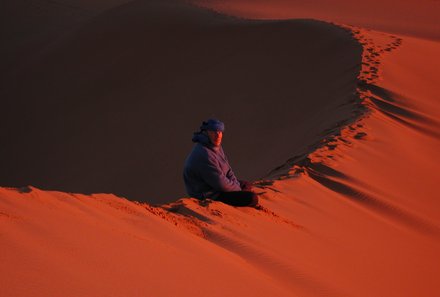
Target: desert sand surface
<point>111,107</point>
<point>352,211</point>
<point>406,17</point>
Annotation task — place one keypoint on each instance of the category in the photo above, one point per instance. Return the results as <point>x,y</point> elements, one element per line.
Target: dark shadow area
<point>180,208</point>
<point>378,91</point>
<point>327,171</point>
<point>112,107</point>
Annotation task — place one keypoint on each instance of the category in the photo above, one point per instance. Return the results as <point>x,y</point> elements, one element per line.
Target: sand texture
<point>112,107</point>
<point>337,123</point>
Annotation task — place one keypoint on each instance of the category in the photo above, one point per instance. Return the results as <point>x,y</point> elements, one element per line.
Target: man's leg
<point>239,198</point>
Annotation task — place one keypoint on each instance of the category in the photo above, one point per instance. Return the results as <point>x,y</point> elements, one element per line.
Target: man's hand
<point>245,185</point>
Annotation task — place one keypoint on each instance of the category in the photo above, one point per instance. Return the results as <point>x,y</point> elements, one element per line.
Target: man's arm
<point>213,176</point>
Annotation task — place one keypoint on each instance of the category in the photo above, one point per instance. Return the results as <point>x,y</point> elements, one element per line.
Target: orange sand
<point>408,17</point>
<point>359,217</point>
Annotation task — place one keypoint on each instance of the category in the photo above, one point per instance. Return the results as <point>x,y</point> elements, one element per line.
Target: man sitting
<point>207,173</point>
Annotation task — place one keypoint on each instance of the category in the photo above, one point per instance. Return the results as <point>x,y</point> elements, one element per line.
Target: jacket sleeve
<point>213,176</point>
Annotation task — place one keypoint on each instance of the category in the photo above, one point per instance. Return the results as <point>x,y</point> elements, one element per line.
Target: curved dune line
<point>373,98</point>
<point>276,268</point>
<point>376,204</point>
<point>111,108</point>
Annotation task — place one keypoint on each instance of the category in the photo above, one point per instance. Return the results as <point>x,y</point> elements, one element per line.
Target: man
<point>207,173</point>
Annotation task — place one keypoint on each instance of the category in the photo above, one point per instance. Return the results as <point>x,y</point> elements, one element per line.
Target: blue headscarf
<point>209,125</point>
<point>212,125</point>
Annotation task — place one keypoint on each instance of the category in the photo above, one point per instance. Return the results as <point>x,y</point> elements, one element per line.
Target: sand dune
<point>30,27</point>
<point>61,244</point>
<point>356,213</point>
<point>407,17</point>
<point>112,107</point>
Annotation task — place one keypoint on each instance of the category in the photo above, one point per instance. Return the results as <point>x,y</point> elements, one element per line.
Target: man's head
<point>214,129</point>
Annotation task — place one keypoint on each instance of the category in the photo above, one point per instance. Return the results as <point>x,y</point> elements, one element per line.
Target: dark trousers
<point>239,198</point>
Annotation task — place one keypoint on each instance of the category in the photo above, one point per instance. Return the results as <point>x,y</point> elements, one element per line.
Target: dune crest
<point>359,215</point>
<point>408,17</point>
<point>111,107</point>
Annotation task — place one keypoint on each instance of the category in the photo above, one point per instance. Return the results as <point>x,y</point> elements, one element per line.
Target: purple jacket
<point>207,171</point>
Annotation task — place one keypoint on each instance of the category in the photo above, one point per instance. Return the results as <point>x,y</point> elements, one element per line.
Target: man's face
<point>215,137</point>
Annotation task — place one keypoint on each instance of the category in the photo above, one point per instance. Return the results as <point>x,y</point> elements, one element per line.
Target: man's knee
<point>252,198</point>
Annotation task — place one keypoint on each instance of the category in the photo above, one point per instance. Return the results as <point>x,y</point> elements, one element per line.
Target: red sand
<point>360,218</point>
<point>407,17</point>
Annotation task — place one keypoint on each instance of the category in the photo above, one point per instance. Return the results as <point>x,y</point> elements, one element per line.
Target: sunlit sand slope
<point>358,216</point>
<point>407,17</point>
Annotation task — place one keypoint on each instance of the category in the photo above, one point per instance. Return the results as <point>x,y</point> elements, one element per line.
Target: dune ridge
<point>111,107</point>
<point>359,216</point>
<point>413,18</point>
<point>372,98</point>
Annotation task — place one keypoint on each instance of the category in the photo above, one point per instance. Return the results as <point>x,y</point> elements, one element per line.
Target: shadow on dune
<point>393,106</point>
<point>275,267</point>
<point>325,176</point>
<point>112,107</point>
